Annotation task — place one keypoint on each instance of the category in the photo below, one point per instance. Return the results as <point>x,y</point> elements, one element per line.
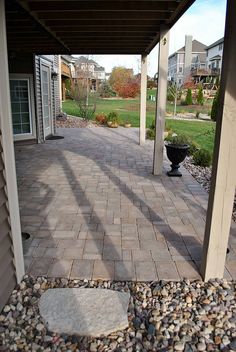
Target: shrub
<point>200,97</point>
<point>101,118</point>
<point>151,133</point>
<point>113,116</point>
<point>193,147</point>
<point>180,139</point>
<point>189,99</point>
<point>215,106</point>
<point>105,91</point>
<point>202,158</point>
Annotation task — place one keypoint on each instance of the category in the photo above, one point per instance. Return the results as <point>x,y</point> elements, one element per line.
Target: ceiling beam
<point>146,5</point>
<point>25,6</point>
<point>98,23</point>
<point>90,15</point>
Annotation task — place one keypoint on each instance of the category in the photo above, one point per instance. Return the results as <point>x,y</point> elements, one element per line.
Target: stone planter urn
<point>109,123</point>
<point>26,241</point>
<point>127,125</point>
<point>176,154</point>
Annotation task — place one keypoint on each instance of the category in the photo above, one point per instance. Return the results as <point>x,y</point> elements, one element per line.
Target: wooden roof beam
<point>25,5</point>
<point>105,5</point>
<point>90,15</point>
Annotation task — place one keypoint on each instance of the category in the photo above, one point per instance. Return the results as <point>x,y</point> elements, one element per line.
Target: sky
<point>205,21</point>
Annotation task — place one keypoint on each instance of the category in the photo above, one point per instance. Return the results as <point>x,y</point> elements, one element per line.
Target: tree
<point>189,99</point>
<point>200,97</point>
<point>124,83</point>
<point>105,90</point>
<point>215,105</point>
<point>172,95</point>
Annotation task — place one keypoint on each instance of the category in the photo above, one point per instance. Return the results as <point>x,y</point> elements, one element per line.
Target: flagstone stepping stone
<point>84,311</point>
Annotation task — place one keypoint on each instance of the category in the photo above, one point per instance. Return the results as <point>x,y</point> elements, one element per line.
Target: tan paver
<point>82,269</point>
<point>141,255</point>
<point>104,270</point>
<point>40,267</point>
<point>167,270</point>
<point>124,270</point>
<point>187,269</point>
<point>60,268</point>
<point>145,271</point>
<point>97,201</point>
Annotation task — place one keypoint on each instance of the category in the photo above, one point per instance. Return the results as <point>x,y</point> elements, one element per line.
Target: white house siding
<point>7,268</point>
<point>52,61</point>
<point>214,51</point>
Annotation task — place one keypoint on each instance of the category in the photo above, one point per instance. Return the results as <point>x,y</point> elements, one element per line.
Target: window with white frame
<point>20,106</point>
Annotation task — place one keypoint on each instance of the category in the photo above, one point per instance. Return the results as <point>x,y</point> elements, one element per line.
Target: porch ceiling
<point>89,26</point>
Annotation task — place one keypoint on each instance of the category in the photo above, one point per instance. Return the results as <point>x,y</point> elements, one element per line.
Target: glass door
<point>46,100</point>
<point>20,106</point>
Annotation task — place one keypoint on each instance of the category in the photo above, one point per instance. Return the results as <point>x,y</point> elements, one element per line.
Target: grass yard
<point>201,132</point>
<point>128,109</point>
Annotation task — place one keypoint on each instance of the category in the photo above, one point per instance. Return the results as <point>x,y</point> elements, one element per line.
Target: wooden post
<point>59,77</point>
<point>161,100</point>
<point>143,100</point>
<point>8,149</point>
<point>223,181</point>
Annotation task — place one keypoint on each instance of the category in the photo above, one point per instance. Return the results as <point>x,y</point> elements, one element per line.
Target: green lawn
<point>201,132</point>
<point>128,109</point>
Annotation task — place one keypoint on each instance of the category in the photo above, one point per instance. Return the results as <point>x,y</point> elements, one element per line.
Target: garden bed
<point>173,316</point>
<point>203,176</point>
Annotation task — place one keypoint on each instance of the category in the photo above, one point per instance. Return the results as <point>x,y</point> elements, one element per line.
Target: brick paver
<point>96,211</point>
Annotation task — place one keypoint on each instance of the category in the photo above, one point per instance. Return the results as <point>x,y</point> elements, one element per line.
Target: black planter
<point>176,154</point>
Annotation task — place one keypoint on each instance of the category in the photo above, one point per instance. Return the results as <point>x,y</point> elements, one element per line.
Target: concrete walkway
<point>97,212</point>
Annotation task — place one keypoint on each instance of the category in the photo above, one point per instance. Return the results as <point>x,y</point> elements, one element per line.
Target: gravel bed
<point>75,122</point>
<point>163,316</point>
<point>203,176</point>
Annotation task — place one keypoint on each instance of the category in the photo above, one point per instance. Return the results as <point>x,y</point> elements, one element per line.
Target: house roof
<point>68,58</point>
<point>89,27</point>
<point>219,41</point>
<point>197,47</point>
<point>84,60</point>
<point>99,68</point>
<point>217,57</point>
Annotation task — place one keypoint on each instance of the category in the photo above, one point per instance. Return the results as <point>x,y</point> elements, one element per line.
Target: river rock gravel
<point>163,316</point>
<point>203,176</point>
<point>74,122</point>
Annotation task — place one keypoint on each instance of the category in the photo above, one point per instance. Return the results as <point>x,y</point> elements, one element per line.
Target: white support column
<point>8,149</point>
<point>161,100</point>
<point>223,182</point>
<point>59,77</point>
<point>143,100</point>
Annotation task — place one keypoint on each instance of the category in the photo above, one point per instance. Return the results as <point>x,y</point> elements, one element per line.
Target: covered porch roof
<point>94,26</point>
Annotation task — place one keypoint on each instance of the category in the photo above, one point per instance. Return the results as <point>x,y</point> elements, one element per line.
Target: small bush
<point>200,97</point>
<point>193,147</point>
<point>151,133</point>
<point>189,98</point>
<point>202,158</point>
<point>101,118</point>
<point>180,139</point>
<point>215,106</point>
<point>113,116</point>
<point>105,91</point>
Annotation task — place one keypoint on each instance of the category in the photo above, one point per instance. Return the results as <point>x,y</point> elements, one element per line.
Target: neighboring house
<point>183,61</point>
<point>67,74</point>
<point>214,54</point>
<point>89,69</point>
<point>34,89</point>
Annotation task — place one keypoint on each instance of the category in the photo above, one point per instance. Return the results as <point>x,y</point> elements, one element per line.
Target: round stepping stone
<point>84,311</point>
